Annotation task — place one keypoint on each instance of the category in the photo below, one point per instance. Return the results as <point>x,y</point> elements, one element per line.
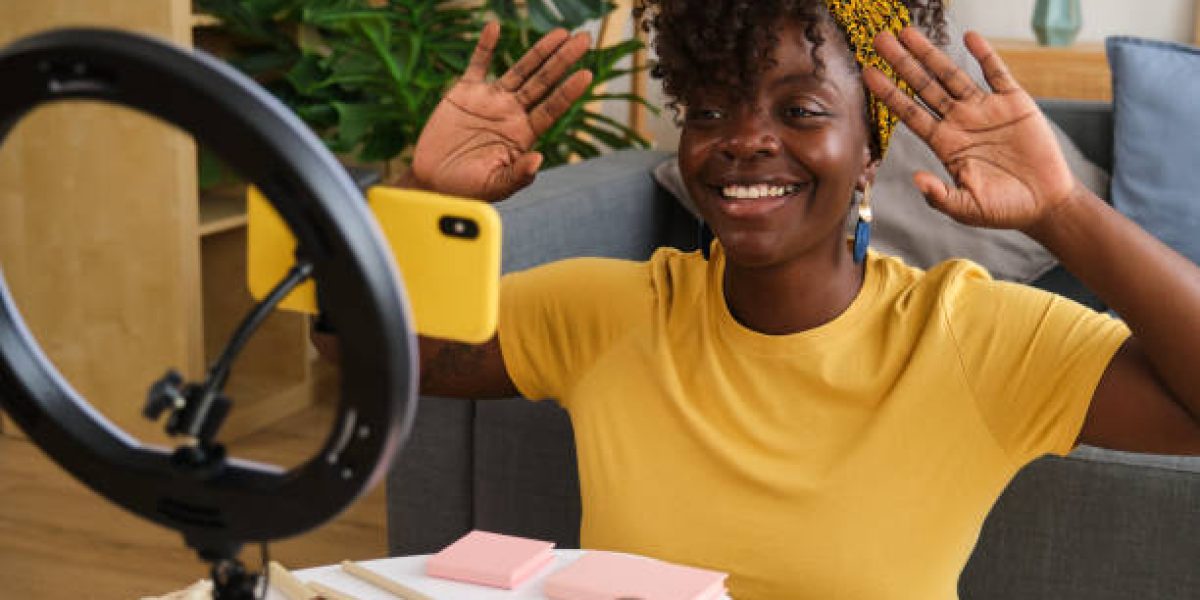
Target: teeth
<point>753,192</point>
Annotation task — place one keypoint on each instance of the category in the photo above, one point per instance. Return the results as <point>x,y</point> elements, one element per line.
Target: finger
<point>915,116</point>
<point>953,79</point>
<point>515,77</point>
<point>952,201</point>
<point>546,113</point>
<point>914,73</point>
<point>482,57</point>
<point>994,70</point>
<point>546,77</point>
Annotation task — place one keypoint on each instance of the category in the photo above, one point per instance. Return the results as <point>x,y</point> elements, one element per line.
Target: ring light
<point>216,504</point>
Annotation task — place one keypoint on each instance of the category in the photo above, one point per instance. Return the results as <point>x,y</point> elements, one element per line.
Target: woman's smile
<point>754,200</point>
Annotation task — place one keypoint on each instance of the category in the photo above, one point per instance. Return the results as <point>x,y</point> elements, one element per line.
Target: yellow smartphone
<point>447,250</point>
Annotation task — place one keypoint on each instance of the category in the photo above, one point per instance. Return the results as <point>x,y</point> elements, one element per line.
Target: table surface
<point>410,571</point>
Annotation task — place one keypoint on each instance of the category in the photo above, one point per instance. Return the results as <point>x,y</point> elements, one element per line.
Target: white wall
<point>1161,19</point>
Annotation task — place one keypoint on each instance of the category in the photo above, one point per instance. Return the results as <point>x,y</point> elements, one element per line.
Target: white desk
<point>410,571</point>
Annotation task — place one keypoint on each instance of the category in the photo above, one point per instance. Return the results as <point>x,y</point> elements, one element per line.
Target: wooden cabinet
<point>117,266</point>
<point>1079,71</point>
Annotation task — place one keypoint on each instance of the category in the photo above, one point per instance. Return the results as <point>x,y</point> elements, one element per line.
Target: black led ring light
<point>220,506</point>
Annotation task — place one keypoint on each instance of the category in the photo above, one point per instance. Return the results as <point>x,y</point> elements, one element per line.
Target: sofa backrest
<point>1089,123</point>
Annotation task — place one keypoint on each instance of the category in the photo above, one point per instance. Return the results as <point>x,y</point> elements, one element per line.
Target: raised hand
<point>478,141</point>
<point>1007,167</point>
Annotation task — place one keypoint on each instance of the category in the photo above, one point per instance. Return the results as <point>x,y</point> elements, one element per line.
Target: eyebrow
<point>799,78</point>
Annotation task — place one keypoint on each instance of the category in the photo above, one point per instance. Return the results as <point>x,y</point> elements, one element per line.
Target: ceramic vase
<point>1057,22</point>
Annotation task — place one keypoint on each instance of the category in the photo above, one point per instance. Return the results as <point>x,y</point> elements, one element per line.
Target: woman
<point>817,420</point>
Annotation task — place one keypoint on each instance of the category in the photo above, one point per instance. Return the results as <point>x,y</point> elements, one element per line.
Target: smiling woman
<point>793,389</point>
<point>814,425</point>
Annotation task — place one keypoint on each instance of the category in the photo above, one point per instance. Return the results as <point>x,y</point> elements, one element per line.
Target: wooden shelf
<point>199,21</point>
<point>1079,71</point>
<point>222,210</point>
<point>257,402</point>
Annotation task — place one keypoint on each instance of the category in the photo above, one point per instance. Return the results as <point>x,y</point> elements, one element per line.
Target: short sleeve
<point>557,319</point>
<point>1033,360</point>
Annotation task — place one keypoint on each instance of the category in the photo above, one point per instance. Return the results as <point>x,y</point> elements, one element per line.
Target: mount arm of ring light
<point>199,409</point>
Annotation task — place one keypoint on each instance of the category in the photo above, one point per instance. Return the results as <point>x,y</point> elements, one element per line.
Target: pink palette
<point>491,559</point>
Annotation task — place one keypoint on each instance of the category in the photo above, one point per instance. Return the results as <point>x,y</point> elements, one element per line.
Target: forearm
<point>460,370</point>
<point>447,368</point>
<point>1154,289</point>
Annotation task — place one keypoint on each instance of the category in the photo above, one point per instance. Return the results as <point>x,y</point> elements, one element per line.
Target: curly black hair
<point>729,43</point>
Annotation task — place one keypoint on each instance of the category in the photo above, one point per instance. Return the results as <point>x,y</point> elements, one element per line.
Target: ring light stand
<point>219,504</point>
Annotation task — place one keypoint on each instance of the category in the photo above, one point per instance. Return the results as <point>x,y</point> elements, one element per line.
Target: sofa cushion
<point>1156,124</point>
<point>1089,528</point>
<point>905,226</point>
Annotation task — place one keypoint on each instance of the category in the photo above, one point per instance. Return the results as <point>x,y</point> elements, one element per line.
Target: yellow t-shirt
<point>854,460</point>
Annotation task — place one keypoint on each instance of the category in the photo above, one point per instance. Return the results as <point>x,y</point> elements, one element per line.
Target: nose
<point>750,137</point>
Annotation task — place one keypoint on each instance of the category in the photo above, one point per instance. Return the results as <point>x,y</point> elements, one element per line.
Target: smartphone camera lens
<point>459,227</point>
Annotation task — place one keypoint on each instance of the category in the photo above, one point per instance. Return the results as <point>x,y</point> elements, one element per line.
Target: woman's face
<point>773,172</point>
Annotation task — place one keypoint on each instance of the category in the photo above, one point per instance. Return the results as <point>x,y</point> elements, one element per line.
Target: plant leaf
<point>386,140</point>
<point>629,135</point>
<point>571,14</point>
<point>307,74</point>
<point>624,97</point>
<point>366,78</point>
<point>506,10</point>
<point>265,61</point>
<point>355,120</point>
<point>582,148</point>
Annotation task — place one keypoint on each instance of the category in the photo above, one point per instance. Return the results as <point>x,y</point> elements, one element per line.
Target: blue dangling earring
<point>862,229</point>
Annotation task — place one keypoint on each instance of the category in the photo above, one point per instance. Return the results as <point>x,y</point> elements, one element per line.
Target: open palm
<point>1001,151</point>
<point>478,141</point>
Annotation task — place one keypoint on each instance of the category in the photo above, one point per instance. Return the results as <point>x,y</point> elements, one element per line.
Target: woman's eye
<point>800,112</point>
<point>705,114</point>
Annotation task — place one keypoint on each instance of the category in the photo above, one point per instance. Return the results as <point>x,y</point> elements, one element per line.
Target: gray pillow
<point>1155,138</point>
<point>905,226</point>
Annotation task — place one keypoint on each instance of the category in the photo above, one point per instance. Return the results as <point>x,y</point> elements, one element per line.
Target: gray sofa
<point>1095,525</point>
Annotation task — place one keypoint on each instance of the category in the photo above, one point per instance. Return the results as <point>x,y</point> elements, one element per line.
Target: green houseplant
<point>365,75</point>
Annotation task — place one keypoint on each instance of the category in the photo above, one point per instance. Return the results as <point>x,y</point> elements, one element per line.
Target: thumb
<point>952,201</point>
<point>523,171</point>
<point>515,176</point>
<point>526,167</point>
<point>932,188</point>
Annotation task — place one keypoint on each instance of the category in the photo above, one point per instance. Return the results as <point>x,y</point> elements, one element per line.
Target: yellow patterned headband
<point>862,20</point>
